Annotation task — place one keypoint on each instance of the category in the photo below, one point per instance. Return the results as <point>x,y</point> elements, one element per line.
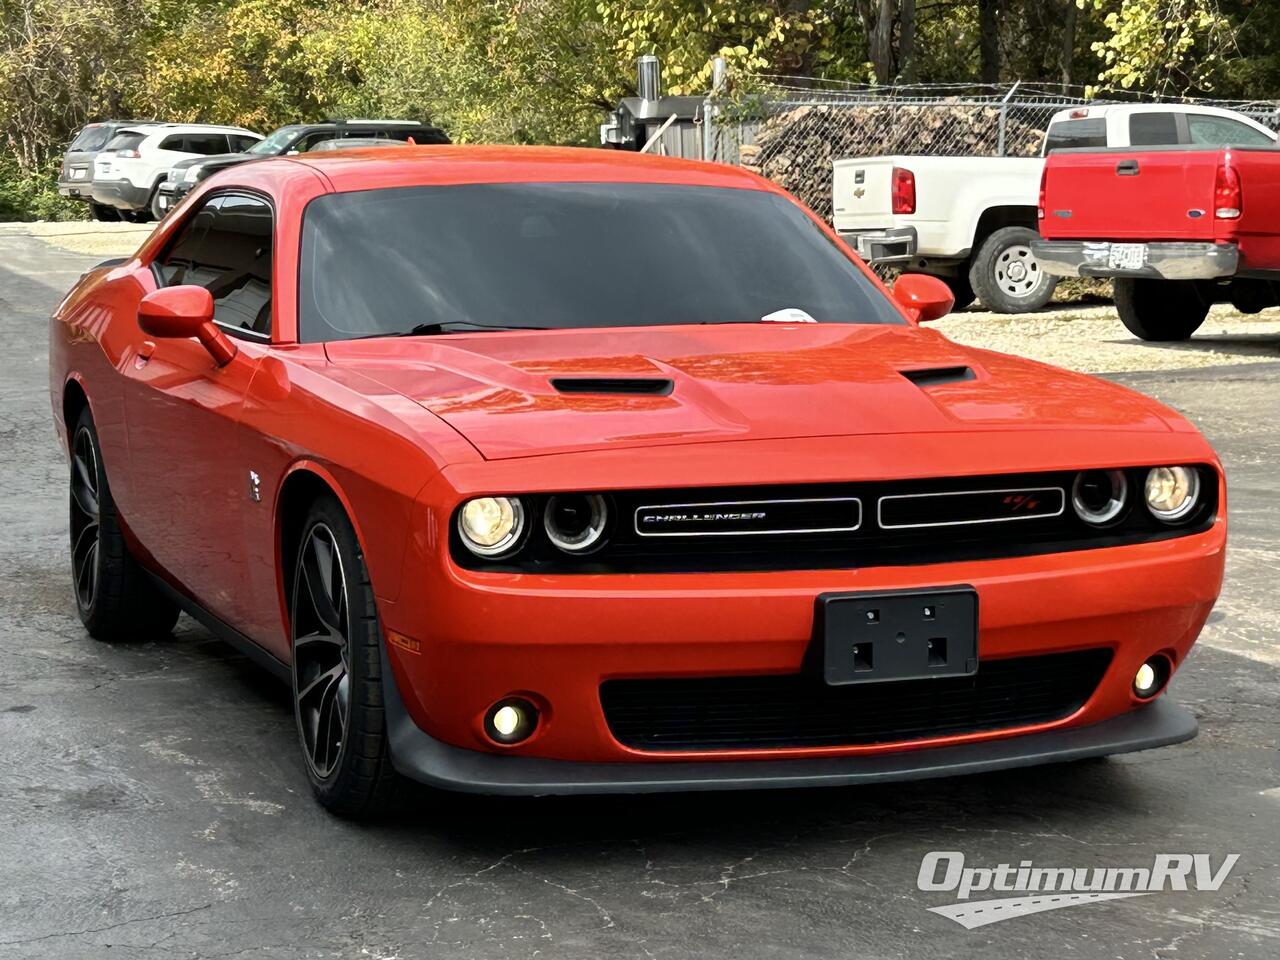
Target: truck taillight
<point>1227,199</point>
<point>904,190</point>
<point>1044,175</point>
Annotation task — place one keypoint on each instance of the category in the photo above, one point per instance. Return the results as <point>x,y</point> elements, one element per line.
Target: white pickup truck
<point>970,220</point>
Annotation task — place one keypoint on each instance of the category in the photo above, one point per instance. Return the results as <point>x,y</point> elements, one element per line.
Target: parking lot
<point>154,803</point>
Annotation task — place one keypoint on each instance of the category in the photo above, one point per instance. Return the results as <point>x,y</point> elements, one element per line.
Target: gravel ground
<point>1093,340</point>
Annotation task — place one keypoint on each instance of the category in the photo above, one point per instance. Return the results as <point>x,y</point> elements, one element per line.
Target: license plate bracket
<point>898,635</point>
<point>1127,256</point>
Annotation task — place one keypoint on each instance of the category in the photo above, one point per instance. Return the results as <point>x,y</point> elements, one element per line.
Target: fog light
<point>511,720</point>
<point>1151,677</point>
<point>1172,492</point>
<point>491,526</point>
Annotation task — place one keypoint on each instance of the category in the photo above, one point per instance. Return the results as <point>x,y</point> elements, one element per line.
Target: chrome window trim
<point>968,523</point>
<point>243,332</point>
<point>635,517</point>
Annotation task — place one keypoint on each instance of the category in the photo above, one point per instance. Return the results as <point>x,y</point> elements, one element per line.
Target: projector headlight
<point>491,526</point>
<point>1098,496</point>
<point>1172,492</point>
<point>191,174</point>
<point>575,522</point>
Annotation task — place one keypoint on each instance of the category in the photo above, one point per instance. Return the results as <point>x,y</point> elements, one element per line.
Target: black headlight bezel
<point>622,550</point>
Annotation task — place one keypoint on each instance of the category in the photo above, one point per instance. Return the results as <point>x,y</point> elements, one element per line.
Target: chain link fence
<point>791,133</point>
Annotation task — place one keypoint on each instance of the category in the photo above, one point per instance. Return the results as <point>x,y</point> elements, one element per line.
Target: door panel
<point>183,410</point>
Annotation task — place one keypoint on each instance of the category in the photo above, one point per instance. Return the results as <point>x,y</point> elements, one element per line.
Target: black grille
<point>801,711</point>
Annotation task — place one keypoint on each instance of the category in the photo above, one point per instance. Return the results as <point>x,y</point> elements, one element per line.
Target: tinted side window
<point>240,142</point>
<point>173,142</point>
<point>1223,131</point>
<point>1152,129</point>
<point>205,144</point>
<point>311,139</point>
<point>1076,133</point>
<point>226,248</point>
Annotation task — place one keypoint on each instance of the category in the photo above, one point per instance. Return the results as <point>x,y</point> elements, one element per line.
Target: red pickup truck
<point>1178,228</point>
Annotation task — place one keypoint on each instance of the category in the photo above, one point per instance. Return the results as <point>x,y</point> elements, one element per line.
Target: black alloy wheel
<point>338,692</point>
<point>86,519</point>
<point>321,651</point>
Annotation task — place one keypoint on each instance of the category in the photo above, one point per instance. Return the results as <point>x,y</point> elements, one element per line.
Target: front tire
<point>115,598</point>
<point>1160,310</point>
<point>337,668</point>
<point>1005,275</point>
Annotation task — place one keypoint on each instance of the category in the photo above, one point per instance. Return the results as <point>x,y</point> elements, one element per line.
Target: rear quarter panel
<point>1258,229</point>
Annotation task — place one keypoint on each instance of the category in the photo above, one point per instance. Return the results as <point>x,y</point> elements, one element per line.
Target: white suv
<point>130,167</point>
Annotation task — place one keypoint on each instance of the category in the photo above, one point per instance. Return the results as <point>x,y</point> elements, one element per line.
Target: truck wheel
<point>961,289</point>
<point>1160,310</point>
<point>1006,277</point>
<point>103,213</point>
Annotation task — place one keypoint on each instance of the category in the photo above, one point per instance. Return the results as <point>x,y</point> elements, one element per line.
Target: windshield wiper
<point>447,326</point>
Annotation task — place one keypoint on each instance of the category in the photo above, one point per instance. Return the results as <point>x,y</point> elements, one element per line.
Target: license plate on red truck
<point>1127,256</point>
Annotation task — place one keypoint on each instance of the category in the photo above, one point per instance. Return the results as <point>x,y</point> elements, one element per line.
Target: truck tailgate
<point>862,192</point>
<point>1130,194</point>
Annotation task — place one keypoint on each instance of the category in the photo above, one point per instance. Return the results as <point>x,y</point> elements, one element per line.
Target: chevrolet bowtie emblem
<point>859,193</point>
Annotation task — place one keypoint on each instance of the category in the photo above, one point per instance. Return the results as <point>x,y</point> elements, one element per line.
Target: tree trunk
<point>989,40</point>
<point>907,41</point>
<point>877,22</point>
<point>1068,45</point>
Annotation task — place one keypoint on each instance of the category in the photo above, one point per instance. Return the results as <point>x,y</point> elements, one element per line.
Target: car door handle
<point>1127,168</point>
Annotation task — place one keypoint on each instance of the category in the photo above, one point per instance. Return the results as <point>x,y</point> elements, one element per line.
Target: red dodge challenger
<point>546,471</point>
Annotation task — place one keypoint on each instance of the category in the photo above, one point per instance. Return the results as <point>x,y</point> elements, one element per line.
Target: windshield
<point>274,144</point>
<point>556,255</point>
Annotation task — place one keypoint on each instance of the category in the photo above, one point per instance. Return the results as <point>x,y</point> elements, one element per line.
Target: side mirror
<point>926,297</point>
<point>178,313</point>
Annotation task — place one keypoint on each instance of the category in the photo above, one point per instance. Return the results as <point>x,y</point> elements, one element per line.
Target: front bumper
<point>170,194</point>
<point>477,637</point>
<point>437,764</point>
<point>892,245</point>
<point>121,194</point>
<point>1159,260</point>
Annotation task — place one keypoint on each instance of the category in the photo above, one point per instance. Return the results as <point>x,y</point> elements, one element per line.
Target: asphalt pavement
<point>153,802</point>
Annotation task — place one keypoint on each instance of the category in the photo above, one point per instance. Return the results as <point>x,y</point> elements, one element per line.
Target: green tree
<point>1163,46</point>
<point>62,64</point>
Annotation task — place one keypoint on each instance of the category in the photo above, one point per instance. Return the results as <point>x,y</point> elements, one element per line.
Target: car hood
<point>517,394</point>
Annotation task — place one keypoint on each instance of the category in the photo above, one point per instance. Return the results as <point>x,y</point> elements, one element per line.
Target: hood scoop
<point>615,386</point>
<point>937,376</point>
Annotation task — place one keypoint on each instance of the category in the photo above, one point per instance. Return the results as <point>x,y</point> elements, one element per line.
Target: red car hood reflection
<point>730,382</point>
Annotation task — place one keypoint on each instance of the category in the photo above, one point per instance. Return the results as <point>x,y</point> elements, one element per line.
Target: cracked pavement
<point>152,802</point>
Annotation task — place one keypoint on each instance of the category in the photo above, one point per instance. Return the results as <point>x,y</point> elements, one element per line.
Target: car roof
<point>151,129</point>
<point>375,167</point>
<point>1102,110</point>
